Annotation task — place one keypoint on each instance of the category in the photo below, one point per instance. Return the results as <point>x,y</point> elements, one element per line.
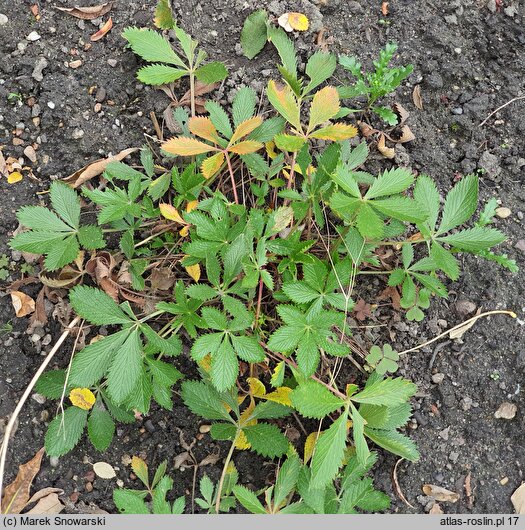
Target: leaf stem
<point>224,470</point>
<point>232,177</point>
<point>192,93</point>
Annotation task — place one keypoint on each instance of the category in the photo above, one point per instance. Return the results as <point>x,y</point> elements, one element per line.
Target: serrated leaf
<point>160,74</point>
<point>286,479</point>
<point>140,468</point>
<point>245,147</point>
<point>427,196</point>
<point>183,146</point>
<point>90,237</point>
<point>266,439</point>
<point>390,182</point>
<point>66,203</point>
<point>286,51</point>
<point>313,400</point>
<point>42,219</point>
<point>96,306</point>
<point>248,499</point>
<point>319,68</point>
<point>129,502</point>
<point>163,16</point>
<point>325,105</point>
<point>244,103</point>
<point>285,103</point>
<point>65,431</point>
<point>152,46</point>
<point>460,204</point>
<point>361,446</point>
<point>204,401</point>
<point>445,261</point>
<point>253,34</point>
<point>224,367</point>
<point>51,384</point>
<point>336,132</point>
<point>100,428</point>
<point>62,253</point>
<point>211,73</point>
<point>474,239</point>
<point>289,143</point>
<point>388,392</point>
<point>219,118</point>
<point>394,442</point>
<point>212,164</point>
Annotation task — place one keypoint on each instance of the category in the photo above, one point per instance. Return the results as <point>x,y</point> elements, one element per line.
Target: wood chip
<point>87,13</point>
<point>440,494</point>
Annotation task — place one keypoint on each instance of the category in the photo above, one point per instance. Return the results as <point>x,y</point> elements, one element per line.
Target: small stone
<point>18,141</point>
<point>51,105</point>
<point>3,19</point>
<point>510,11</point>
<point>451,19</point>
<point>458,50</point>
<point>98,107</point>
<point>112,63</point>
<point>504,481</point>
<point>465,307</point>
<point>458,111</point>
<point>466,403</point>
<point>120,483</point>
<point>75,64</point>
<point>453,457</point>
<point>492,6</point>
<point>438,378</point>
<point>100,95</point>
<point>53,461</point>
<point>506,411</point>
<point>77,134</point>
<point>37,73</point>
<point>47,340</point>
<point>149,426</point>
<point>203,429</point>
<point>89,487</point>
<point>520,245</point>
<point>33,36</point>
<point>503,212</point>
<point>445,433</point>
<point>30,153</point>
<point>81,24</point>
<point>490,163</point>
<point>39,398</point>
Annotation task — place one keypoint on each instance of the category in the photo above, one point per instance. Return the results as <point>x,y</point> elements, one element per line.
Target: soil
<point>468,58</point>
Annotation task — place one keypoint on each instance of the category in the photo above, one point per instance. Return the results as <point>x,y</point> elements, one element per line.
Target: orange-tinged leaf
<point>243,148</point>
<point>325,106</point>
<point>14,177</point>
<point>22,303</point>
<point>140,468</point>
<point>309,446</point>
<point>212,164</point>
<point>280,395</point>
<point>285,103</point>
<point>204,128</point>
<point>102,31</point>
<point>184,146</point>
<point>194,271</point>
<point>335,132</point>
<point>245,128</point>
<point>82,398</point>
<point>16,495</point>
<point>184,231</point>
<point>191,206</point>
<point>257,388</point>
<point>170,212</point>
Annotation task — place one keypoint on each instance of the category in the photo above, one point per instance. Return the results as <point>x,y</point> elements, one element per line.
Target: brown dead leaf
<point>518,500</point>
<point>416,97</point>
<point>181,460</point>
<point>87,13</point>
<point>39,317</point>
<point>22,303</point>
<point>387,152</point>
<point>49,504</point>
<point>362,310</point>
<point>44,492</point>
<point>436,509</point>
<point>67,277</point>
<point>35,11</point>
<point>440,494</point>
<point>459,332</point>
<point>393,294</point>
<point>16,494</point>
<point>365,129</point>
<point>384,8</point>
<point>210,460</point>
<point>95,168</point>
<point>468,489</point>
<point>100,268</point>
<point>102,31</point>
<point>162,279</point>
<point>406,135</point>
<point>401,112</point>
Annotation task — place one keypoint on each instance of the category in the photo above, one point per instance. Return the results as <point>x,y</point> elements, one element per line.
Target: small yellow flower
<point>82,398</point>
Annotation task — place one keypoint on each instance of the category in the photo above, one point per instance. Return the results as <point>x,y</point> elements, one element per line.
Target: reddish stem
<point>234,186</point>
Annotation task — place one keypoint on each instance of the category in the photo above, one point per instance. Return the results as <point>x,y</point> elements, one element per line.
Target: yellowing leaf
<point>212,164</point>
<point>335,132</point>
<point>204,128</point>
<point>184,231</point>
<point>283,217</point>
<point>82,398</point>
<point>205,363</point>
<point>387,152</point>
<point>245,128</point>
<point>325,106</point>
<point>243,148</point>
<point>163,15</point>
<point>183,146</point>
<point>257,388</point>
<point>288,142</point>
<point>285,103</point>
<point>242,442</point>
<point>291,21</point>
<point>280,395</point>
<point>309,446</point>
<point>194,271</point>
<point>22,303</point>
<point>140,468</point>
<point>270,149</point>
<point>170,212</point>
<point>191,206</point>
<point>14,177</point>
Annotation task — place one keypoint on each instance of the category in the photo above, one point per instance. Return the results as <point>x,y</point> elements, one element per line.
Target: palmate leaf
<point>129,502</point>
<point>65,431</point>
<point>152,46</point>
<point>361,494</point>
<point>460,203</point>
<point>160,74</point>
<point>41,219</point>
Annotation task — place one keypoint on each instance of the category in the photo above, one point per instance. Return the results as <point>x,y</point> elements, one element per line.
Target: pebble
<point>204,429</point>
<point>77,134</point>
<point>40,64</point>
<point>492,6</point>
<point>465,307</point>
<point>3,19</point>
<point>30,153</point>
<point>451,19</point>
<point>458,111</point>
<point>520,245</point>
<point>438,378</point>
<point>506,411</point>
<point>490,163</point>
<point>100,95</point>
<point>466,403</point>
<point>33,36</point>
<point>444,434</point>
<point>98,107</point>
<point>51,105</point>
<point>53,461</point>
<point>503,212</point>
<point>112,63</point>
<point>75,64</point>
<point>149,426</point>
<point>453,457</point>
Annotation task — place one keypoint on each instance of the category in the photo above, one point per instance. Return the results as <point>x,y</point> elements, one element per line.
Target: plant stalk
<point>232,178</point>
<point>224,469</point>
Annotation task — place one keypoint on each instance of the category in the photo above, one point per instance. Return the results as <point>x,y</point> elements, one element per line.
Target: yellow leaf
<point>245,128</point>
<point>280,395</point>
<point>183,146</point>
<point>257,388</point>
<point>335,132</point>
<point>22,303</point>
<point>82,398</point>
<point>203,127</point>
<point>270,149</point>
<point>325,106</point>
<point>243,148</point>
<point>283,100</point>
<point>242,442</point>
<point>309,446</point>
<point>298,21</point>
<point>184,231</point>
<point>191,206</point>
<point>205,363</point>
<point>212,164</point>
<point>140,468</point>
<point>194,271</point>
<point>171,213</point>
<point>14,177</point>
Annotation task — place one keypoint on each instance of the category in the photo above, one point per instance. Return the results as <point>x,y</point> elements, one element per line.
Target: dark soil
<point>469,59</point>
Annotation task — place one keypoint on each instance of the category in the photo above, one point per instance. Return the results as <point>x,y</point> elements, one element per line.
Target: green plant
<point>4,267</point>
<point>133,501</point>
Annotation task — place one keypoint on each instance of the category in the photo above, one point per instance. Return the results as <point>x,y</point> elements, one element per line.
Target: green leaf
<point>129,502</point>
<point>62,253</point>
<point>253,34</point>
<point>100,428</point>
<point>204,400</point>
<point>36,242</point>
<point>248,499</point>
<point>160,504</point>
<point>267,130</point>
<point>243,106</point>
<point>357,156</point>
<point>219,118</point>
<point>66,203</point>
<point>313,400</point>
<point>387,392</point>
<point>444,260</point>
<point>248,348</point>
<point>41,219</point>
<point>266,439</point>
<point>285,48</point>
<point>390,182</point>
<point>163,15</point>
<point>160,74</point>
<point>401,208</point>
<point>125,370</point>
<point>386,114</point>
<point>286,479</point>
<point>361,446</point>
<point>289,143</point>
<point>223,431</point>
<point>152,46</point>
<point>394,442</point>
<point>211,73</point>
<point>426,195</point>
<point>285,103</point>
<point>179,504</point>
<point>96,306</point>
<point>65,431</point>
<point>90,237</point>
<point>51,384</point>
<point>224,367</point>
<point>329,452</point>
<point>319,68</point>
<point>474,239</point>
<point>369,223</point>
<point>345,180</point>
<point>460,203</point>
